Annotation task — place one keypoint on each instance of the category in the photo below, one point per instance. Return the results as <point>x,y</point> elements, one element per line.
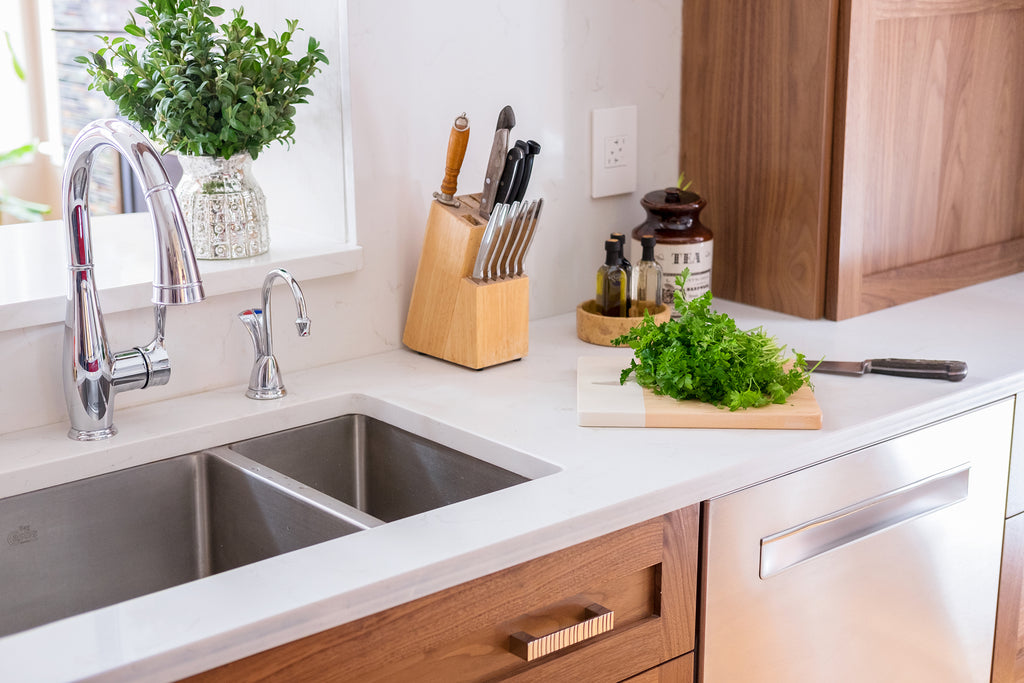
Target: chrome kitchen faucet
<point>265,379</point>
<point>92,375</point>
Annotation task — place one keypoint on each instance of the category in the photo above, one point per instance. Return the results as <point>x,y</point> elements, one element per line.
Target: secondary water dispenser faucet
<point>265,380</point>
<point>92,374</point>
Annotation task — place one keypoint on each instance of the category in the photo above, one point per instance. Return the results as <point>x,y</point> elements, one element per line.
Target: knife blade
<point>458,139</point>
<point>531,231</point>
<point>496,162</point>
<point>486,245</point>
<point>532,150</point>
<point>510,176</point>
<point>952,370</point>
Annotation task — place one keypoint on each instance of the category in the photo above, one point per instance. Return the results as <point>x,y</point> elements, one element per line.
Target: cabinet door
<point>757,91</point>
<point>928,174</point>
<point>645,574</point>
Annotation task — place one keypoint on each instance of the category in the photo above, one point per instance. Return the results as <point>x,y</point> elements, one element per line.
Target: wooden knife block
<point>453,317</point>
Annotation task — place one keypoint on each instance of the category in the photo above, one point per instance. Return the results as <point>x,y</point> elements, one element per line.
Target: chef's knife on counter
<point>458,139</point>
<point>496,162</point>
<point>952,370</point>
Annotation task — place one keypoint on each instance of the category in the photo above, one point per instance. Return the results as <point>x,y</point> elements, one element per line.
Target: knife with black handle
<point>532,150</point>
<point>510,176</point>
<point>952,370</point>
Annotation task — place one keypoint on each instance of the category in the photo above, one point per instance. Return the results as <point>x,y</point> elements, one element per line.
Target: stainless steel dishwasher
<point>878,565</point>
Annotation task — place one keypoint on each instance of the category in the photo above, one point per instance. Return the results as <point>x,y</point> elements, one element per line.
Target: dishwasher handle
<point>823,534</point>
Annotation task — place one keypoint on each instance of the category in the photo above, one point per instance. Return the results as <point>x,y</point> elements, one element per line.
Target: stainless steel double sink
<point>95,542</point>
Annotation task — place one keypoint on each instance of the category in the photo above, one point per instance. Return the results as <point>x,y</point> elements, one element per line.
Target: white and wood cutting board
<point>602,402</point>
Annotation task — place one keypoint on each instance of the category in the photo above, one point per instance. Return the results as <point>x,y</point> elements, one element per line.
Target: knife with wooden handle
<point>952,370</point>
<point>458,139</point>
<point>496,162</point>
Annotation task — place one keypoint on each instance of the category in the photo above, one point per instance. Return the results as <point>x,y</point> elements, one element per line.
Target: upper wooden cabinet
<point>855,154</point>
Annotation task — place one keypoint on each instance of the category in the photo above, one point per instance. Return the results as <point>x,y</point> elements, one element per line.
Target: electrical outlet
<point>613,146</point>
<point>615,151</point>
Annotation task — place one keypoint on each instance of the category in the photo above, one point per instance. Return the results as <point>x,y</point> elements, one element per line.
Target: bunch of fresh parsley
<point>704,356</point>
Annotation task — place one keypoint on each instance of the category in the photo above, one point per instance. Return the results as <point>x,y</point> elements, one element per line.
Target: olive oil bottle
<point>612,282</point>
<point>647,277</point>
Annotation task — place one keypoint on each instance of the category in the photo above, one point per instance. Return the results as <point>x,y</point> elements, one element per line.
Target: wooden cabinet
<point>1008,656</point>
<point>645,574</point>
<point>855,154</point>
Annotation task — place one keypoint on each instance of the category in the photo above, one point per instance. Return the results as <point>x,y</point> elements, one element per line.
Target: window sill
<point>33,278</point>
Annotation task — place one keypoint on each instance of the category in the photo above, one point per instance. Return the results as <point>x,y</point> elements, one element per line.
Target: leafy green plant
<point>204,89</point>
<point>704,356</point>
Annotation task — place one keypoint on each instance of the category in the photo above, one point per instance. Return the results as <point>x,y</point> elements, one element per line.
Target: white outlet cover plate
<point>620,178</point>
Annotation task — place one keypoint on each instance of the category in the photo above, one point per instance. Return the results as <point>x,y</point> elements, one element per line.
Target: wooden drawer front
<point>646,574</point>
<point>678,670</point>
<point>1008,655</point>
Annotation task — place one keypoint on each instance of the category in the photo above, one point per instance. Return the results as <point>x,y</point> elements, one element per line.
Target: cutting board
<point>602,402</point>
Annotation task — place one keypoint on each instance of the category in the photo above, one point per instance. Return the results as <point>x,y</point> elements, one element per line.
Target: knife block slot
<point>453,317</point>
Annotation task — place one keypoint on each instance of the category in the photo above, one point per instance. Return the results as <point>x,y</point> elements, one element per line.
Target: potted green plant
<point>216,95</point>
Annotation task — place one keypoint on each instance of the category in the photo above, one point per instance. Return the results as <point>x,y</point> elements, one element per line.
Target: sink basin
<point>95,542</point>
<point>98,541</point>
<point>375,467</point>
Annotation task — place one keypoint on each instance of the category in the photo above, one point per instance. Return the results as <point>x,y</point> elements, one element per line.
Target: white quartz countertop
<point>520,415</point>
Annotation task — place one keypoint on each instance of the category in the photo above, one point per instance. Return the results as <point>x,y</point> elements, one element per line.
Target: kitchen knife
<point>510,176</point>
<point>532,150</point>
<point>516,251</point>
<point>496,162</point>
<point>458,139</point>
<point>501,239</point>
<point>531,230</point>
<point>506,266</point>
<point>486,245</point>
<point>952,370</point>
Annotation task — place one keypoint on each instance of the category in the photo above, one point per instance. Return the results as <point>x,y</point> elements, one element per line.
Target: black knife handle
<point>952,370</point>
<point>532,150</point>
<point>510,176</point>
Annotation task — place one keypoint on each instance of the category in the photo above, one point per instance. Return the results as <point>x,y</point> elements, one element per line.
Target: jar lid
<point>672,200</point>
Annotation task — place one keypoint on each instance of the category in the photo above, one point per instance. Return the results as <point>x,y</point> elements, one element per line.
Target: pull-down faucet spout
<point>92,374</point>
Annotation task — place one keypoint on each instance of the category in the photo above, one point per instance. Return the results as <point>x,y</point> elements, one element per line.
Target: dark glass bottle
<point>673,217</point>
<point>612,283</point>
<point>626,266</point>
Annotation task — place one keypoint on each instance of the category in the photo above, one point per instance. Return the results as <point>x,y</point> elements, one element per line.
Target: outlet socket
<point>614,151</point>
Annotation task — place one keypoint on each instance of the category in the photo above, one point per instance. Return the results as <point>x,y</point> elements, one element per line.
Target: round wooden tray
<point>594,328</point>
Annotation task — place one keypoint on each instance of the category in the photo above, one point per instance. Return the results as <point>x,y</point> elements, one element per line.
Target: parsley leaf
<point>703,355</point>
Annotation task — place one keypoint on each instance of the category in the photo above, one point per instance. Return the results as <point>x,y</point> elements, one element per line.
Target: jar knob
<point>672,196</point>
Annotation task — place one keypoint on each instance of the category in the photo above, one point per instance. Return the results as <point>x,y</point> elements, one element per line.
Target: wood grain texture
<point>932,150</point>
<point>601,401</point>
<point>678,670</point>
<point>647,573</point>
<point>756,139</point>
<point>453,317</point>
<point>1008,653</point>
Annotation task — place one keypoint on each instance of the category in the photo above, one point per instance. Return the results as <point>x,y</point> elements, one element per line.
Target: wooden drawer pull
<point>598,620</point>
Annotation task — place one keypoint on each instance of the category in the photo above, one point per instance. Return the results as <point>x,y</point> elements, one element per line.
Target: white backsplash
<point>414,67</point>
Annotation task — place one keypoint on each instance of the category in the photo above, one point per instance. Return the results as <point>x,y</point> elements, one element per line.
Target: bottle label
<point>674,258</point>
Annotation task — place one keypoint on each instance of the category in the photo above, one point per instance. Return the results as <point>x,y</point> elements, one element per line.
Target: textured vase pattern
<point>224,207</point>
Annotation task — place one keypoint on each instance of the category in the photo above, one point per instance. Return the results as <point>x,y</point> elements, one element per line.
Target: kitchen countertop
<point>520,415</point>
